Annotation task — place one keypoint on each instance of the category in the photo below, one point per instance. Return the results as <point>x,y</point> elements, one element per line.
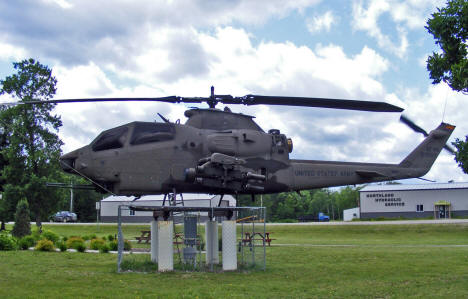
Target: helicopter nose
<point>67,161</point>
<point>73,161</point>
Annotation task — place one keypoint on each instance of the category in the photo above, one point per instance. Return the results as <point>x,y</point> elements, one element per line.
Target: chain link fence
<point>189,241</point>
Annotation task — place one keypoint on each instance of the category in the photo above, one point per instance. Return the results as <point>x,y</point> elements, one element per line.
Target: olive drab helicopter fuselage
<point>221,152</point>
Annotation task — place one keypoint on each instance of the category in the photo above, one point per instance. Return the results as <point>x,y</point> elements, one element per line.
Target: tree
<point>449,26</point>
<point>22,225</point>
<point>461,156</point>
<point>33,145</point>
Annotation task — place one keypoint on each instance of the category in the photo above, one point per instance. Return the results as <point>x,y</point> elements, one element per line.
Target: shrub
<point>45,245</point>
<point>26,242</point>
<point>89,237</point>
<point>7,242</point>
<point>96,244</point>
<point>104,248</point>
<point>127,245</point>
<point>22,225</point>
<point>114,245</point>
<point>64,238</point>
<point>75,242</point>
<point>81,247</point>
<point>62,246</point>
<point>110,238</point>
<point>36,235</point>
<point>51,236</point>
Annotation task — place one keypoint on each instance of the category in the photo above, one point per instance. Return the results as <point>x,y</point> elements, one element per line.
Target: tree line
<point>289,206</point>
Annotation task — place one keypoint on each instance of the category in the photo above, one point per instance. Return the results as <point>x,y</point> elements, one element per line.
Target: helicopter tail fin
<point>424,155</point>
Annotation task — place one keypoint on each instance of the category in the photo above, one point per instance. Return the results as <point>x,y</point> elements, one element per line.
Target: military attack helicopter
<point>222,152</point>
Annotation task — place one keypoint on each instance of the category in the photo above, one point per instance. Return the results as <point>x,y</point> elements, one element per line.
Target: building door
<point>442,211</point>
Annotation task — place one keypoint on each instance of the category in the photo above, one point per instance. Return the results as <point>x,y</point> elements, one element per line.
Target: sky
<point>372,50</point>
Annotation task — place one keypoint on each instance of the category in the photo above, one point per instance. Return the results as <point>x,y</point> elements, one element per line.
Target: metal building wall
<point>403,203</point>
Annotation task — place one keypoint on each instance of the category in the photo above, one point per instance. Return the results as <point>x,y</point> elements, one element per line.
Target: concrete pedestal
<point>212,245</point>
<point>154,241</point>
<point>229,245</point>
<point>165,246</point>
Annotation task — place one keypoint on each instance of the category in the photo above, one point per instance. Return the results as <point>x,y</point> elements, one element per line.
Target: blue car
<point>64,216</point>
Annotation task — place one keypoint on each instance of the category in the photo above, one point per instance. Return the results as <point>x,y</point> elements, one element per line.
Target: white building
<point>109,206</point>
<point>414,201</point>
<point>350,214</point>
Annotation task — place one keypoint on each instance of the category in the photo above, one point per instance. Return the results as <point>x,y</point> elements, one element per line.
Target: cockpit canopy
<point>136,132</point>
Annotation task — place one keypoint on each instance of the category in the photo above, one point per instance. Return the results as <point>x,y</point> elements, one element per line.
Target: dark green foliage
<point>26,242</point>
<point>114,245</point>
<point>33,146</point>
<point>89,237</point>
<point>81,247</point>
<point>449,26</point>
<point>45,245</point>
<point>75,242</point>
<point>50,235</point>
<point>110,237</point>
<point>287,207</point>
<point>104,248</point>
<point>127,245</point>
<point>7,242</point>
<point>461,155</point>
<point>62,246</point>
<point>22,225</point>
<point>96,244</point>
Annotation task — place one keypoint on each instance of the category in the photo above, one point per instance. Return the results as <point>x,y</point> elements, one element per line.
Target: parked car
<point>64,216</point>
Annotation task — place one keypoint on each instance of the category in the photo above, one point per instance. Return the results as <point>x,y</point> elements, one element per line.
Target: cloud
<point>108,31</point>
<point>369,16</point>
<point>322,22</point>
<point>161,48</point>
<point>236,66</point>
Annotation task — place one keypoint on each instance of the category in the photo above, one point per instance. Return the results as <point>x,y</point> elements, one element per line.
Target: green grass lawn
<point>384,261</point>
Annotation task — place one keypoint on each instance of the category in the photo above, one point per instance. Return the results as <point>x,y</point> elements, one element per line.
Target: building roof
<point>187,196</point>
<point>414,187</point>
<point>160,198</point>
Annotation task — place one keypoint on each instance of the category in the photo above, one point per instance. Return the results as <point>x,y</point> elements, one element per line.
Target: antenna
<point>445,105</point>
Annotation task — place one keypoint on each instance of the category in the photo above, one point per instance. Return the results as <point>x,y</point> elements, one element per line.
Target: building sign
<point>387,199</point>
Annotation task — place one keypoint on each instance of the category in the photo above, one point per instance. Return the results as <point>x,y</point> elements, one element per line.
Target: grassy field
<point>383,261</point>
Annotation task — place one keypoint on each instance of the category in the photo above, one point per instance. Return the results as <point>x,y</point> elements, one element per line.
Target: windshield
<point>152,132</point>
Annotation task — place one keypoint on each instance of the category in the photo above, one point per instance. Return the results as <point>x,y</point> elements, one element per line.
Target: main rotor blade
<point>321,103</point>
<point>170,99</point>
<point>246,100</point>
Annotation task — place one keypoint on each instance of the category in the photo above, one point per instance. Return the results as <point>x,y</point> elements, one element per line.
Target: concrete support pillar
<point>212,245</point>
<point>229,245</point>
<point>154,241</point>
<point>165,246</point>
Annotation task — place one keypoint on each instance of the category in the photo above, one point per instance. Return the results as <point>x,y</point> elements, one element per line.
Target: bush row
<point>48,241</point>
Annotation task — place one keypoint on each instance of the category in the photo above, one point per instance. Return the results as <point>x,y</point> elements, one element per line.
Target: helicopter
<point>223,152</point>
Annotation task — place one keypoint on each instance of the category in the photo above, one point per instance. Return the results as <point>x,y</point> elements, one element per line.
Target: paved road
<point>390,222</point>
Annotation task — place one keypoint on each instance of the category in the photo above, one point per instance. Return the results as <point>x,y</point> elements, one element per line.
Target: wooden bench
<point>248,238</point>
<point>145,236</point>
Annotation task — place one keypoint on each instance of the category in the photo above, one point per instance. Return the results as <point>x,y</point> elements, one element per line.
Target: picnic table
<point>145,236</point>
<point>249,238</point>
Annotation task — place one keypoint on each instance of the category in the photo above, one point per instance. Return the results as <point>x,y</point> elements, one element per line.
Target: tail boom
<point>310,174</point>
